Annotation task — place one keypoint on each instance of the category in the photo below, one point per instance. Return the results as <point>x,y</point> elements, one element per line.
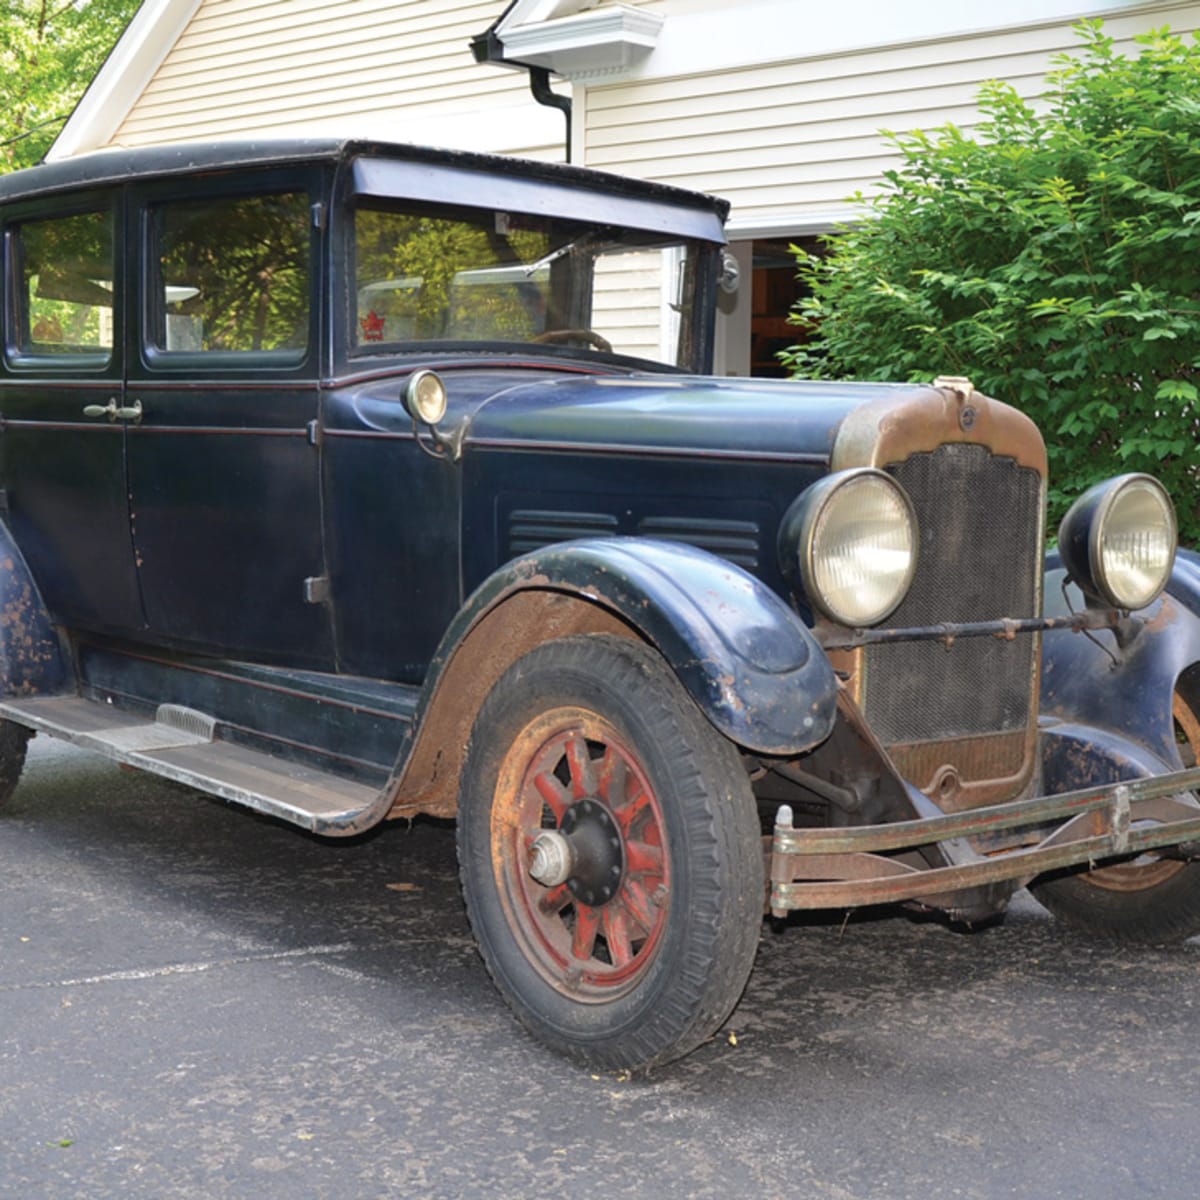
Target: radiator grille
<point>980,517</point>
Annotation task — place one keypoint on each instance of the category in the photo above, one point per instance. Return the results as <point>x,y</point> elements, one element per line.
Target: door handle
<point>108,410</point>
<point>114,411</point>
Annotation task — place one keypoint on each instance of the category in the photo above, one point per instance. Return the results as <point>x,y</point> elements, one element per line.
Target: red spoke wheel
<point>610,854</point>
<point>594,926</point>
<point>1147,899</point>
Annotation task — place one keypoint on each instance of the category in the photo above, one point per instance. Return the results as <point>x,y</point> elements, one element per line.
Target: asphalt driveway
<point>199,1003</point>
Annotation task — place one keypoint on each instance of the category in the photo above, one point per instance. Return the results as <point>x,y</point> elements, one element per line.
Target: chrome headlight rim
<point>809,519</point>
<point>1082,540</point>
<point>425,397</point>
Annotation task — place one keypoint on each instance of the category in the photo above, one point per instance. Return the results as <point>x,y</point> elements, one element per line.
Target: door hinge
<point>316,589</point>
<point>318,216</point>
<point>314,433</point>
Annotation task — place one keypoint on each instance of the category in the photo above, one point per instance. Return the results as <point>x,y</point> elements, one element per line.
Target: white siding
<point>402,71</point>
<point>790,142</point>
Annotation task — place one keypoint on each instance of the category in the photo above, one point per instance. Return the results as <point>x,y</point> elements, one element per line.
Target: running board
<point>179,744</point>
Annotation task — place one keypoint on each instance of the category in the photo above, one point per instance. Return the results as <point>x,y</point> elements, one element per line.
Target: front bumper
<point>852,867</point>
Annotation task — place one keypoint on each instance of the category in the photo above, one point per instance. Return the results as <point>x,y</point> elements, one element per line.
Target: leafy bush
<point>1054,258</point>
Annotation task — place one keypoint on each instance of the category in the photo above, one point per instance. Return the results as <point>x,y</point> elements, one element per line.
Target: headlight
<point>425,397</point>
<point>853,539</point>
<point>1118,541</point>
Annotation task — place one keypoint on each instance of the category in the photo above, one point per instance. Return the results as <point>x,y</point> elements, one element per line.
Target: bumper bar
<point>847,867</point>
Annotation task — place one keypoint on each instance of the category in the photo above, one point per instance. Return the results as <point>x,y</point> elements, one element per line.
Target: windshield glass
<point>485,276</point>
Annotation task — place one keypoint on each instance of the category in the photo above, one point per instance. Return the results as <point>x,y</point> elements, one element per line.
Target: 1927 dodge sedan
<point>349,481</point>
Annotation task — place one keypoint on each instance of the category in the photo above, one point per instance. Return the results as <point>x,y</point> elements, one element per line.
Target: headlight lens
<point>425,397</point>
<point>1118,541</point>
<point>857,545</point>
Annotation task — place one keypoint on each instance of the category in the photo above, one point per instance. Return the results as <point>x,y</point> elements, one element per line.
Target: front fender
<point>743,655</point>
<point>1127,690</point>
<point>31,660</point>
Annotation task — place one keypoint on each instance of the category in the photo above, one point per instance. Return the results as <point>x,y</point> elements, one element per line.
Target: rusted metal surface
<point>596,934</point>
<point>1100,823</point>
<point>1005,629</point>
<point>31,661</point>
<point>886,431</point>
<point>745,657</point>
<point>426,779</point>
<point>976,769</point>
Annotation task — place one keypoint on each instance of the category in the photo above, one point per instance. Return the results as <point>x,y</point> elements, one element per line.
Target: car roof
<point>113,166</point>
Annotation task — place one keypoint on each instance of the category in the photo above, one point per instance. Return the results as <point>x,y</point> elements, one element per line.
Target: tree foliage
<point>1052,258</point>
<point>49,52</point>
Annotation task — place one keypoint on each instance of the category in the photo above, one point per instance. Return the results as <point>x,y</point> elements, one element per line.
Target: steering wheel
<point>560,337</point>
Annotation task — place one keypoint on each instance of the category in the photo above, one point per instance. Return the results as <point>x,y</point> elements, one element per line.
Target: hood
<point>777,419</point>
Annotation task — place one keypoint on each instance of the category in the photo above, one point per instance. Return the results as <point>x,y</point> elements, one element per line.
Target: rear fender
<point>31,659</point>
<point>1127,689</point>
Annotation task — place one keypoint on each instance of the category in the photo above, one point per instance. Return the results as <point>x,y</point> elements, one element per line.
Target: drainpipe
<point>539,85</point>
<point>488,48</point>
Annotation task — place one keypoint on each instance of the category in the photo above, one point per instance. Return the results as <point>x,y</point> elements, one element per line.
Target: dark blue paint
<point>742,653</point>
<point>1098,683</point>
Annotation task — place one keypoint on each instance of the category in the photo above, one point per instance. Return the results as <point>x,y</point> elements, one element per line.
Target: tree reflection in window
<point>234,274</point>
<point>66,270</point>
<point>427,278</point>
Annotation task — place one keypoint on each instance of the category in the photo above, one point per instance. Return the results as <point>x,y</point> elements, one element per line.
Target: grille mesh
<point>979,518</point>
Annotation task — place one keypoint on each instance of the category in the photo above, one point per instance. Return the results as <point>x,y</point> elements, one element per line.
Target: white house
<point>775,104</point>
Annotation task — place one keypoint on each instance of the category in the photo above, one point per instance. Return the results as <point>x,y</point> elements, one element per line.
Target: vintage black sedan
<point>350,481</point>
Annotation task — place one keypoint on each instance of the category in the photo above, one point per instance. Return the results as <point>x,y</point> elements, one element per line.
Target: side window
<point>64,286</point>
<point>232,275</point>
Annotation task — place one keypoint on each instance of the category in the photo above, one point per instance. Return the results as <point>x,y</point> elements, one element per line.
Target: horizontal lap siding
<point>795,140</point>
<point>274,67</point>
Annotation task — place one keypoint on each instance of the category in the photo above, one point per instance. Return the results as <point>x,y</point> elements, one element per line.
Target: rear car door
<point>63,406</point>
<point>224,471</point>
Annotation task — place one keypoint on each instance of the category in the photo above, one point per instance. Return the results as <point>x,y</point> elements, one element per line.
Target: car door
<point>63,406</point>
<point>224,471</point>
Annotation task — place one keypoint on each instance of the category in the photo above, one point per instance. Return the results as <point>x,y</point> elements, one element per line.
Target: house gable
<point>264,68</point>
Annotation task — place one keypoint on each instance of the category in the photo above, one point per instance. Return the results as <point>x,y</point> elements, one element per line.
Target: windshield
<point>485,276</point>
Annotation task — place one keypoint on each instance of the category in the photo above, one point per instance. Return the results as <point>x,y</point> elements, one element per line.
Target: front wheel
<point>610,854</point>
<point>1149,900</point>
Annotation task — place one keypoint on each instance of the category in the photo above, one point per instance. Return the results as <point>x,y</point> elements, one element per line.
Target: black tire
<point>644,948</point>
<point>1156,907</point>
<point>1150,901</point>
<point>13,741</point>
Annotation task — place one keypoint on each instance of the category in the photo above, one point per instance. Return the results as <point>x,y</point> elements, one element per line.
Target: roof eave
<point>131,64</point>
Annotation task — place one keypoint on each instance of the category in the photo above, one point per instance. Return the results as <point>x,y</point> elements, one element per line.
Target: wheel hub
<point>597,860</point>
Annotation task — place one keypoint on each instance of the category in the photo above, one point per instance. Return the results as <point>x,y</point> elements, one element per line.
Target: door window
<point>65,287</point>
<point>233,276</point>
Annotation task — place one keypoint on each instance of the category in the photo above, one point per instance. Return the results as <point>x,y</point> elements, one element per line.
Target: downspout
<point>539,85</point>
<point>488,48</point>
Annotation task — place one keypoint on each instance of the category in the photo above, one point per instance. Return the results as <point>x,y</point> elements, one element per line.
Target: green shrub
<point>1054,258</point>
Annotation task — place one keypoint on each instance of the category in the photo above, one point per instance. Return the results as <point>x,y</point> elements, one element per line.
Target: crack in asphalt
<point>184,968</point>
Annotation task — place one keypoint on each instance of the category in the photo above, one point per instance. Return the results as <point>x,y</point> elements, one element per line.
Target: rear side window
<point>231,275</point>
<point>64,286</point>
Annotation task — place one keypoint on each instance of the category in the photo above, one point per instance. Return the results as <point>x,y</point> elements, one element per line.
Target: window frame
<point>356,350</point>
<point>16,358</point>
<point>153,359</point>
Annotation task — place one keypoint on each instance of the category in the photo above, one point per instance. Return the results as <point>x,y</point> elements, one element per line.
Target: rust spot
<point>428,782</point>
